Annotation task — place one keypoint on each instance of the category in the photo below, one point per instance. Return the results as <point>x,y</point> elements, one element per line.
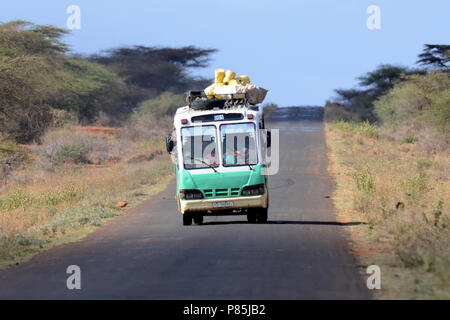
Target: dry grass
<point>56,201</point>
<point>401,188</point>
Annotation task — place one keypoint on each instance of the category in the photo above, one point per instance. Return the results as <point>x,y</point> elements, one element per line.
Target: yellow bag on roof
<point>210,90</point>
<point>244,80</point>
<point>230,75</point>
<point>220,75</point>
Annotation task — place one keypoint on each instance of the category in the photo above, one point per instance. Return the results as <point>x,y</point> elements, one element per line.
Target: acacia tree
<point>384,77</point>
<point>149,71</point>
<point>435,56</point>
<point>37,76</point>
<point>24,114</point>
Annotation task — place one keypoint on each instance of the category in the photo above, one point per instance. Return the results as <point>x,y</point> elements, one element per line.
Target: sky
<point>301,50</point>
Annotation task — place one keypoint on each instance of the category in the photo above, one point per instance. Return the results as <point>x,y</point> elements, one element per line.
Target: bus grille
<point>233,192</point>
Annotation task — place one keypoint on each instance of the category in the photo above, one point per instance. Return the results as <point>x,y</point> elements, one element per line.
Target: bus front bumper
<point>223,203</point>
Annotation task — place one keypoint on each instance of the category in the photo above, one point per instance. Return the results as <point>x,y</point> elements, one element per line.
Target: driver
<point>211,158</point>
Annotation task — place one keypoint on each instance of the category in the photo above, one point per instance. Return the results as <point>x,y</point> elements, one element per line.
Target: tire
<point>187,219</point>
<point>262,215</point>
<point>251,217</point>
<point>198,219</point>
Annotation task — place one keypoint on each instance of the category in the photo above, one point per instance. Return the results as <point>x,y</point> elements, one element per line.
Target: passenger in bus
<point>211,158</point>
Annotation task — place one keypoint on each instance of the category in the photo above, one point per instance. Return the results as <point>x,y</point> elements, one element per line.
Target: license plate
<point>225,204</point>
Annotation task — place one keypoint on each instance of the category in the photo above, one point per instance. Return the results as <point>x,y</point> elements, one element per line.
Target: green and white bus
<point>219,156</point>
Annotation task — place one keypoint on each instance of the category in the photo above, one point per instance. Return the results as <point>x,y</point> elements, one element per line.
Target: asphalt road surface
<point>300,253</point>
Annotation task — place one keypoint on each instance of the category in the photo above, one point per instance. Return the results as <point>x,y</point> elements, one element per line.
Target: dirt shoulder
<point>61,196</point>
<point>398,192</point>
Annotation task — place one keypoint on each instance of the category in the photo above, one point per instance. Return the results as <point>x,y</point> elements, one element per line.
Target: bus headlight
<point>191,194</point>
<point>253,190</point>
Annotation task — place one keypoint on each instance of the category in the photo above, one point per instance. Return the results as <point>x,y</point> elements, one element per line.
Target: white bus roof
<point>186,111</point>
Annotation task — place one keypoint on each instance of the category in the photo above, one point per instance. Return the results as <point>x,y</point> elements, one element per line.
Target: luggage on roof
<point>226,91</point>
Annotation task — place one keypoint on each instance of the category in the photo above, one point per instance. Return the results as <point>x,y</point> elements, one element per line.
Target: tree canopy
<point>435,56</point>
<point>22,37</point>
<point>149,71</point>
<point>384,77</point>
<point>38,75</point>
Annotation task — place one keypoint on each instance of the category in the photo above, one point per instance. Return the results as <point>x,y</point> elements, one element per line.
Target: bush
<point>364,181</point>
<point>165,105</point>
<point>72,146</point>
<point>344,126</point>
<point>153,117</point>
<point>423,99</point>
<point>38,77</point>
<point>409,138</point>
<point>441,112</point>
<point>415,187</point>
<point>334,113</point>
<point>11,158</point>
<point>71,153</point>
<point>365,129</point>
<point>65,194</point>
<point>17,198</point>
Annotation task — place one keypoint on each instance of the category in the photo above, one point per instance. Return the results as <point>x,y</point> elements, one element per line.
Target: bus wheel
<point>187,219</point>
<point>251,216</point>
<point>261,216</point>
<point>198,219</point>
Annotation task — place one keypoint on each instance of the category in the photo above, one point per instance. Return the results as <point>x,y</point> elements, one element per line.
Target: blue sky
<point>300,50</point>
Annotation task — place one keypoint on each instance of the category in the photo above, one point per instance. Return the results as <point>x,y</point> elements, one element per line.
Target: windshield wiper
<point>205,163</point>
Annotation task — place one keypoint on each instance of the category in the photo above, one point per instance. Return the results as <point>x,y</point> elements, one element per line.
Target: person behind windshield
<point>237,157</point>
<point>230,158</point>
<point>211,158</point>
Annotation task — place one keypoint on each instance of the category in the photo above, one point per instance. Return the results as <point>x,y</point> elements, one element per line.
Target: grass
<point>401,190</point>
<point>48,204</point>
<point>364,129</point>
<point>409,138</point>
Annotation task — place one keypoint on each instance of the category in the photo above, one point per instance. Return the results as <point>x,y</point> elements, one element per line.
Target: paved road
<point>147,254</point>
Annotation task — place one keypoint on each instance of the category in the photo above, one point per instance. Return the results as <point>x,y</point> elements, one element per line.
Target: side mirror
<point>169,144</point>
<point>269,139</point>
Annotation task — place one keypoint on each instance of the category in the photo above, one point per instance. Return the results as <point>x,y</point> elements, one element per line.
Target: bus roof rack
<point>198,100</point>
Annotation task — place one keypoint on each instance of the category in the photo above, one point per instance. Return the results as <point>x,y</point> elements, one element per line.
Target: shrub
<point>344,126</point>
<point>70,153</point>
<point>335,113</point>
<point>441,112</point>
<point>153,117</point>
<point>66,194</point>
<point>367,129</point>
<point>409,138</point>
<point>165,105</point>
<point>422,99</point>
<point>364,181</point>
<point>11,158</point>
<point>415,187</point>
<point>17,198</point>
<point>72,146</point>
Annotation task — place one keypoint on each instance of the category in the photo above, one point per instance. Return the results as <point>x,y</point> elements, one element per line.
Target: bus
<point>219,148</point>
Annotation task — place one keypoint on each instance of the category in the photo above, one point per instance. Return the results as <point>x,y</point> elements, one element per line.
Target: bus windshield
<point>239,144</point>
<point>199,147</point>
